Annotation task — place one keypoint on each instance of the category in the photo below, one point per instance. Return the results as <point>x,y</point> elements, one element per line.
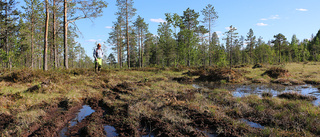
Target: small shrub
<point>266,94</point>
<point>257,66</point>
<point>276,72</point>
<point>218,74</point>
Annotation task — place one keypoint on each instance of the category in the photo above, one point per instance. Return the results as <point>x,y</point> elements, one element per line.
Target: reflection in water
<point>208,133</point>
<point>111,131</point>
<point>83,112</point>
<point>252,124</point>
<point>258,90</point>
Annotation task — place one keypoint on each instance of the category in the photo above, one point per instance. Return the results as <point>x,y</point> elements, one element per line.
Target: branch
<point>75,19</point>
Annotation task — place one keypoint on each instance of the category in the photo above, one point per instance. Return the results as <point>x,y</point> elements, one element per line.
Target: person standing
<point>98,55</point>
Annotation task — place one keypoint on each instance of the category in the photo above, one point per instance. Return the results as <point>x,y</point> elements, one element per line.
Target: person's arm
<point>94,54</point>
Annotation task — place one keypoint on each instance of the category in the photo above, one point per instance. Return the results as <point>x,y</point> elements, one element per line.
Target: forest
<point>186,80</point>
<point>33,38</point>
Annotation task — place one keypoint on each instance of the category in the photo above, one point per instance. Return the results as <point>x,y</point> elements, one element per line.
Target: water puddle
<point>111,131</point>
<point>208,133</point>
<point>196,86</point>
<point>83,112</point>
<point>252,124</point>
<point>258,89</point>
<point>245,90</point>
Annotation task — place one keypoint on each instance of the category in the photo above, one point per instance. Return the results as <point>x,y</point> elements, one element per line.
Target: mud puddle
<point>111,131</point>
<point>83,112</point>
<point>257,89</point>
<point>252,124</point>
<point>208,133</point>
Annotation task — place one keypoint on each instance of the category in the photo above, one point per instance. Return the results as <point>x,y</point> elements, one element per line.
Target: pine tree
<point>32,14</point>
<point>45,63</point>
<point>251,41</point>
<point>8,24</point>
<point>230,41</point>
<point>127,11</point>
<point>141,29</point>
<point>210,15</point>
<point>187,34</point>
<point>166,44</point>
<point>279,41</point>
<point>84,9</point>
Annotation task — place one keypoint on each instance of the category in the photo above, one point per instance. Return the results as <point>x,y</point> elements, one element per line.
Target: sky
<point>266,17</point>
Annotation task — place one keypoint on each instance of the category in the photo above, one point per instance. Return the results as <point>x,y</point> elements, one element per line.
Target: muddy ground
<point>156,102</point>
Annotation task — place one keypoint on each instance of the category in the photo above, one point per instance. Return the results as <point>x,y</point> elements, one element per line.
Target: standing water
<point>258,90</point>
<point>83,112</point>
<point>111,131</point>
<point>274,89</point>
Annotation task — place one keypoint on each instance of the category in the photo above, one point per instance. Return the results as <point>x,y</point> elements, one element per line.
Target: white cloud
<point>94,40</point>
<point>91,40</point>
<point>261,24</point>
<point>302,9</point>
<point>273,17</point>
<point>158,20</point>
<point>108,27</point>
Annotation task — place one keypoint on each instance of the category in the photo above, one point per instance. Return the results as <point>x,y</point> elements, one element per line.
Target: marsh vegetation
<point>158,102</point>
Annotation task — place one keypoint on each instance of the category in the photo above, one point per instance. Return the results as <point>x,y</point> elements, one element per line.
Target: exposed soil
<point>157,106</point>
<point>55,121</point>
<point>184,79</point>
<point>92,125</point>
<point>218,74</point>
<point>276,72</point>
<point>5,120</point>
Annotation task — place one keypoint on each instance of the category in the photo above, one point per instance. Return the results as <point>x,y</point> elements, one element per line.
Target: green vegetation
<point>131,100</point>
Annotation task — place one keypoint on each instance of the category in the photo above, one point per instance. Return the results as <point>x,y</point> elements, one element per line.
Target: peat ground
<point>156,101</point>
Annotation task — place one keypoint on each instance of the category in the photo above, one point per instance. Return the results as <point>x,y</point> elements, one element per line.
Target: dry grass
<point>153,94</point>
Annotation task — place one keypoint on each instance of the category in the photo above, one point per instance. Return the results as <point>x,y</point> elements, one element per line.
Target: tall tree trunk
<point>45,58</point>
<point>127,34</point>
<point>210,40</point>
<point>65,40</point>
<point>54,35</point>
<point>118,50</point>
<point>7,35</point>
<point>141,49</point>
<point>32,45</point>
<point>231,52</point>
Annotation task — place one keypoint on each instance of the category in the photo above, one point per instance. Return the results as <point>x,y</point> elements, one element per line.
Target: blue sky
<point>266,17</point>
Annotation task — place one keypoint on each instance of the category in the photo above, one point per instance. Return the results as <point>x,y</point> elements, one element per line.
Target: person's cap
<point>99,45</point>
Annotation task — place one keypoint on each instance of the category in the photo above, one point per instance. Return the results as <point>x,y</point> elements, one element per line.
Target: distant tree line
<point>43,36</point>
<point>187,40</point>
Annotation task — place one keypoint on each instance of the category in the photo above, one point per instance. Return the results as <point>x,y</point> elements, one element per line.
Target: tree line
<point>43,36</point>
<point>187,40</point>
